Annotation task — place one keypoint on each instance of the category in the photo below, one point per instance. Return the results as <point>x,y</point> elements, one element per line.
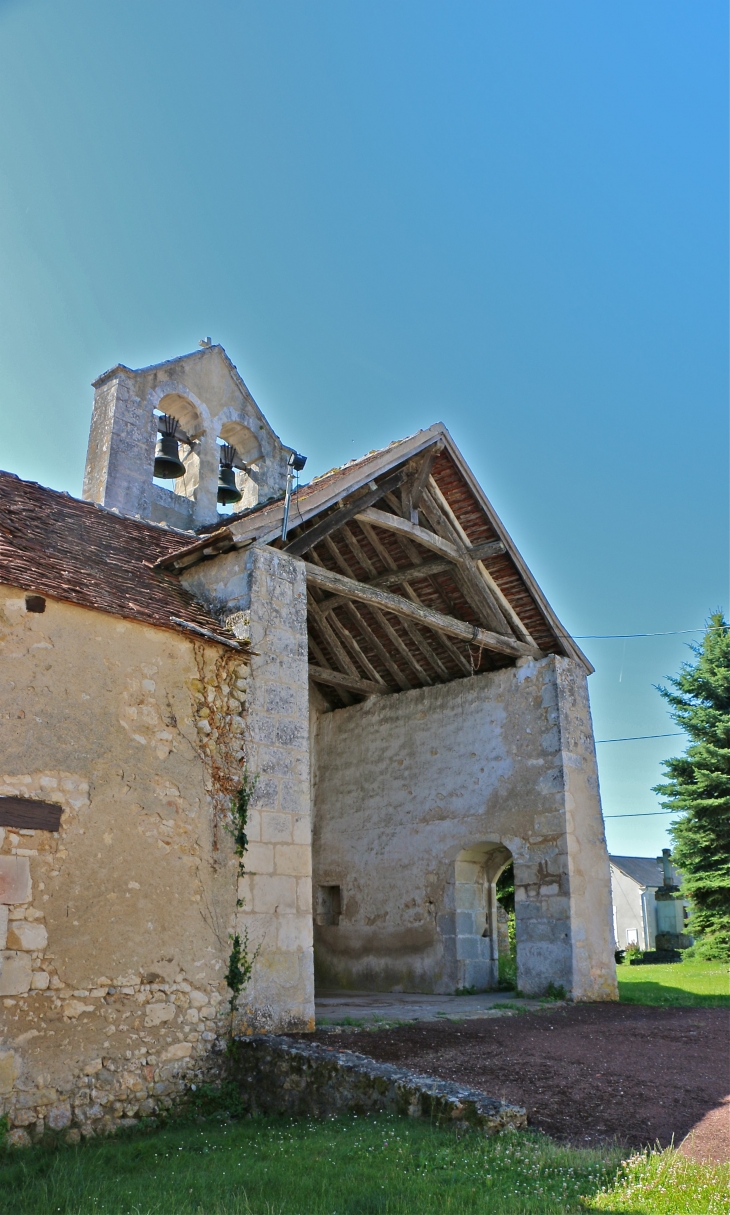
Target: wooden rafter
<point>369,636</point>
<point>386,602</point>
<point>306,539</point>
<point>415,635</point>
<point>394,577</point>
<point>412,553</point>
<point>483,552</point>
<point>403,527</point>
<point>466,575</point>
<point>348,683</point>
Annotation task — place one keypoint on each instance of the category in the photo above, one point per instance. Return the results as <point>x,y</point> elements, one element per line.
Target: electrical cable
<point>638,737</point>
<point>715,628</point>
<point>645,814</point>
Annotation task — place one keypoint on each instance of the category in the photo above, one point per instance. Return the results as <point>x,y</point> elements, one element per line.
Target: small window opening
<point>35,603</point>
<point>329,905</point>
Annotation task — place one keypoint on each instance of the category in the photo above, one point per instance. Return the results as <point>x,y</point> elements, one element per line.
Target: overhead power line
<point>715,628</point>
<point>646,814</point>
<point>638,737</point>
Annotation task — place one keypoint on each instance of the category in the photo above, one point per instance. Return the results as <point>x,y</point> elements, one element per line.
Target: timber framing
<point>412,579</point>
<point>338,585</point>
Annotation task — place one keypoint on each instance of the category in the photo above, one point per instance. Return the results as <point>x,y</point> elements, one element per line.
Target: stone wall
<point>115,928</point>
<point>421,798</point>
<point>262,594</point>
<point>305,1079</point>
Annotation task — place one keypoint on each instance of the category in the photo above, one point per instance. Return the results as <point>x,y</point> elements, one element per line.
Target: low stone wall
<point>280,1075</point>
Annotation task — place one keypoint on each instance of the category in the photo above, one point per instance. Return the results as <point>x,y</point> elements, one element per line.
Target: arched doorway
<point>480,929</point>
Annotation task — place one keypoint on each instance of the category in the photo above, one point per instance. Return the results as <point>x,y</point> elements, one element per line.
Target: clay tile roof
<point>79,552</point>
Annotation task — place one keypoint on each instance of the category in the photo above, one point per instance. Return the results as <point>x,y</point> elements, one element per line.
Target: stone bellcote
<point>212,405</point>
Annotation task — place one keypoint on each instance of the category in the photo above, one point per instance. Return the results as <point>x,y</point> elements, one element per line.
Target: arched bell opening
<point>180,429</point>
<point>241,459</point>
<point>482,928</point>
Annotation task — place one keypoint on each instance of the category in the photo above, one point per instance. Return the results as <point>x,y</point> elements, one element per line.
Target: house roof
<point>645,870</point>
<point>81,553</point>
<point>354,523</point>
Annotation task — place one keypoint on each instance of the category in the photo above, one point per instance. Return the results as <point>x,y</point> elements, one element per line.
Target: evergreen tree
<point>698,787</point>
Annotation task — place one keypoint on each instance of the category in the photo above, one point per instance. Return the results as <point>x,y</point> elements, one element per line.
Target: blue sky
<point>511,218</point>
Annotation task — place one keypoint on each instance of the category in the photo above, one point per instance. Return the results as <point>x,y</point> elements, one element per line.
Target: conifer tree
<point>698,787</point>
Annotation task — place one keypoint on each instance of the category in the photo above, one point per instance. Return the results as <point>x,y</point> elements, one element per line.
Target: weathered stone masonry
<point>263,595</point>
<point>116,936</point>
<point>413,794</point>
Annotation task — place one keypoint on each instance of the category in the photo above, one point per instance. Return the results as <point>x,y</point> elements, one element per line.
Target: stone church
<point>370,645</point>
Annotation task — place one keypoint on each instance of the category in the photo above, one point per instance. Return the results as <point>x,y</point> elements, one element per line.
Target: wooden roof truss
<point>398,596</point>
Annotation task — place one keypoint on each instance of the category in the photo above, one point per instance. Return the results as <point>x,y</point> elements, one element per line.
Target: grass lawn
<point>345,1166</point>
<point>704,984</point>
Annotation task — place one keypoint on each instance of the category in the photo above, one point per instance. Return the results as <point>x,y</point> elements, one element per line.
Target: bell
<point>168,465</point>
<point>228,491</point>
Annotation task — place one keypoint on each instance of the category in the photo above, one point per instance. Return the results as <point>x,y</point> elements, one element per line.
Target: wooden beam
<point>413,554</point>
<point>410,573</point>
<point>392,523</point>
<point>508,611</point>
<point>470,583</point>
<point>324,664</point>
<point>301,543</point>
<point>424,472</point>
<point>377,645</point>
<point>330,639</point>
<point>482,552</point>
<point>364,686</point>
<point>354,648</point>
<point>386,602</point>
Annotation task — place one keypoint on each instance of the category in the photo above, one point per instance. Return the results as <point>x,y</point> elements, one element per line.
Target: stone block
<point>276,828</point>
<point>465,923</point>
<point>467,871</point>
<point>294,797</point>
<point>260,858</point>
<point>180,1050</point>
<point>276,761</point>
<point>266,793</point>
<point>15,973</point>
<point>290,733</point>
<point>18,1138</point>
<point>40,980</point>
<point>280,968</point>
<point>27,936</point>
<point>58,1117</point>
<point>467,947</point>
<point>15,881</point>
<point>304,895</point>
<point>276,895</point>
<point>156,1014</point>
<point>294,932</point>
<point>302,830</point>
<point>3,925</point>
<point>9,1070</point>
<point>262,727</point>
<point>294,859</point>
<point>280,700</point>
<point>253,826</point>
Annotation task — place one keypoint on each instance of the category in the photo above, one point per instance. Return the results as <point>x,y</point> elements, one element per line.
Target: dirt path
<point>586,1073</point>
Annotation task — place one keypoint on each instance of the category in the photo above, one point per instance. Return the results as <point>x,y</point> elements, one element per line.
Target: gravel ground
<point>587,1073</point>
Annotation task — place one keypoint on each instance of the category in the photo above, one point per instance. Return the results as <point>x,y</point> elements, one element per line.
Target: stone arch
<point>177,401</point>
<point>245,442</point>
<point>476,871</point>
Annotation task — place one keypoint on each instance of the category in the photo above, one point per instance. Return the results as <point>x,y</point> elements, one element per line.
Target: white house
<point>634,883</point>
